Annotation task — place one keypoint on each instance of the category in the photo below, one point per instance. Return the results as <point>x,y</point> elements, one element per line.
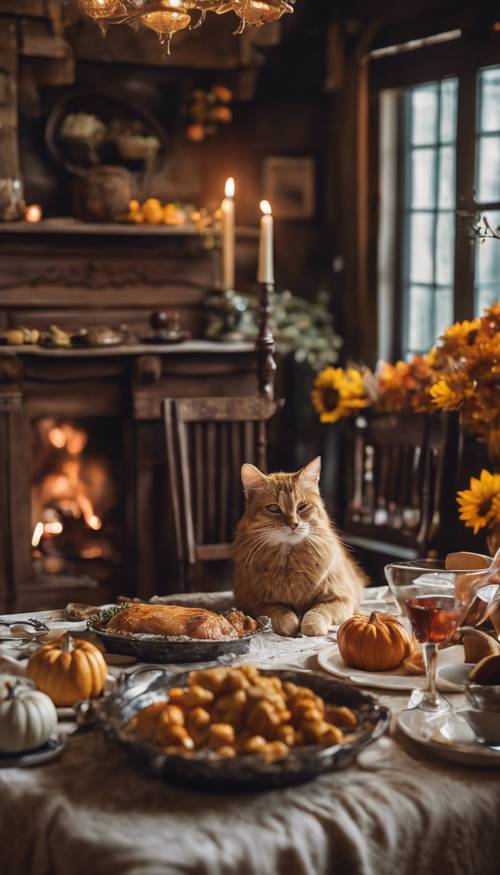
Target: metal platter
<point>162,649</point>
<point>202,771</point>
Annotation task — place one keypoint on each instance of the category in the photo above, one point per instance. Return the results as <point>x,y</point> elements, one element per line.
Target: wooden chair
<point>399,468</point>
<point>207,441</point>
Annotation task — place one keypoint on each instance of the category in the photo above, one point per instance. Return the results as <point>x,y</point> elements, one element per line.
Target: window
<point>428,221</point>
<point>435,148</point>
<point>487,267</point>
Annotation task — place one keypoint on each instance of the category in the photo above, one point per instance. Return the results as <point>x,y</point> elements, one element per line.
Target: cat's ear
<point>252,478</point>
<point>308,476</point>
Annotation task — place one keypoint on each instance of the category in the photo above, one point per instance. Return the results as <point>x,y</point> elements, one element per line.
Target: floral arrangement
<point>462,372</point>
<point>206,110</point>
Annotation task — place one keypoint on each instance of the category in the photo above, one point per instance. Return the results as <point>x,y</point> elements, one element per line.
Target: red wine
<point>434,618</point>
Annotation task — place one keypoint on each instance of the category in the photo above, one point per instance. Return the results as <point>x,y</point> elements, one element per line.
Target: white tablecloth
<point>397,811</point>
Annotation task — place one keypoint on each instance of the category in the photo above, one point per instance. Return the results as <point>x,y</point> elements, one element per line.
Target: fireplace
<point>84,514</point>
<point>77,498</point>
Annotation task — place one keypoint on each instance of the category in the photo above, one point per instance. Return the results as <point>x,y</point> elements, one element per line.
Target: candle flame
<point>229,190</point>
<point>266,208</point>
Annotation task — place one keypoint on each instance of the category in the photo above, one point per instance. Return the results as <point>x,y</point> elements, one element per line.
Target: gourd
<point>375,643</point>
<point>68,670</point>
<point>27,719</point>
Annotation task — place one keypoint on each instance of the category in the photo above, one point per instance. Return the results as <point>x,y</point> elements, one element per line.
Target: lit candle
<point>228,236</point>
<point>266,245</point>
<point>33,213</point>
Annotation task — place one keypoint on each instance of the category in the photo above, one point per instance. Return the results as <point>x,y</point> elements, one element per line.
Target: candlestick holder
<point>266,364</point>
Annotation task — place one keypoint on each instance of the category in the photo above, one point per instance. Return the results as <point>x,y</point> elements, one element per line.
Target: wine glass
<point>435,600</point>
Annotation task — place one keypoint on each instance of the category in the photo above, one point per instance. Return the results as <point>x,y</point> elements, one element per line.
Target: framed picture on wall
<point>289,183</point>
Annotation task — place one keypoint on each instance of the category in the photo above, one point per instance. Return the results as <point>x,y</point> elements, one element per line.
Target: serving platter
<point>331,661</point>
<point>200,770</point>
<point>165,649</point>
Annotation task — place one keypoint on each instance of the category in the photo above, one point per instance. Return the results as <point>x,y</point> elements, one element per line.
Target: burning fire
<point>69,486</point>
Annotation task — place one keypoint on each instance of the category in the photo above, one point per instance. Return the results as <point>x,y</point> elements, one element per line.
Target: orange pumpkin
<point>375,643</point>
<point>68,670</point>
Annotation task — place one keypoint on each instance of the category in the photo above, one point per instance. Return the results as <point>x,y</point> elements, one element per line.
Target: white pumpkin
<point>27,719</point>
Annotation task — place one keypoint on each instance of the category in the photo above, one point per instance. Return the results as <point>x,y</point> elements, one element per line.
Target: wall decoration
<point>289,182</point>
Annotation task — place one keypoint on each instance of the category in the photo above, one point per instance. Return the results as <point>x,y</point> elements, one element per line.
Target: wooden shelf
<point>189,347</point>
<point>73,226</point>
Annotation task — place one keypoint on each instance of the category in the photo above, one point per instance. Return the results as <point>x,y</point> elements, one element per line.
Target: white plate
<point>49,751</point>
<point>448,735</point>
<point>331,661</point>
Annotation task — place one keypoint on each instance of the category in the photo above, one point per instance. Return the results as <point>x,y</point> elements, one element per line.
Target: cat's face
<point>283,509</point>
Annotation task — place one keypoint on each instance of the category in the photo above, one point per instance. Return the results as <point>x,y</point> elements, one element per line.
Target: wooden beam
<point>37,40</point>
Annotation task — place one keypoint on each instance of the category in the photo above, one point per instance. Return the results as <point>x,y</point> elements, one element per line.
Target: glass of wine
<point>436,601</point>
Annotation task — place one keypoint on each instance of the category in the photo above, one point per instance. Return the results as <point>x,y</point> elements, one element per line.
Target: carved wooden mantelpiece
<point>82,275</point>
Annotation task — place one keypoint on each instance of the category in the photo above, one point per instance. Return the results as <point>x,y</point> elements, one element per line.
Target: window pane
<point>445,239</point>
<point>444,310</point>
<point>420,318</point>
<point>448,126</point>
<point>490,100</point>
<point>429,158</point>
<point>488,255</point>
<point>423,179</point>
<point>447,177</point>
<point>489,169</point>
<point>421,248</point>
<point>424,110</point>
<point>485,296</point>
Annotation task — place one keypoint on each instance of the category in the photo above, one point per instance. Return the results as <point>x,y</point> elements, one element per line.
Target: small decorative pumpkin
<point>68,670</point>
<point>27,719</point>
<point>375,643</point>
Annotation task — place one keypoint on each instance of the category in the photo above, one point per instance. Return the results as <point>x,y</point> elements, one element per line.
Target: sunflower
<point>444,397</point>
<point>460,334</point>
<point>480,505</point>
<point>338,393</point>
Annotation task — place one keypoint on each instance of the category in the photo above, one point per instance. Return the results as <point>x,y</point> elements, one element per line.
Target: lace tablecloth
<point>398,810</point>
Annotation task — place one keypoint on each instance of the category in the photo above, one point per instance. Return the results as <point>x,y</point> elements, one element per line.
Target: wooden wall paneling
<point>8,98</point>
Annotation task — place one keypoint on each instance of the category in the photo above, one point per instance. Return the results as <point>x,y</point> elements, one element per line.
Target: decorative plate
<point>202,771</point>
<point>164,649</point>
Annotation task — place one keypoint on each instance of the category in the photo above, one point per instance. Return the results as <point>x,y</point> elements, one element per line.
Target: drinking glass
<point>436,601</point>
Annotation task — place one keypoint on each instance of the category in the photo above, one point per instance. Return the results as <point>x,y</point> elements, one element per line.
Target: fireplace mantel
<point>75,276</point>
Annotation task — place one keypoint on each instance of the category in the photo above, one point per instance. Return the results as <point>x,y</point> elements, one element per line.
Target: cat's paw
<point>285,623</point>
<point>341,611</point>
<point>314,624</point>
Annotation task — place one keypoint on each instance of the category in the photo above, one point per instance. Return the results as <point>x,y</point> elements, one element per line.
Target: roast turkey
<point>174,620</point>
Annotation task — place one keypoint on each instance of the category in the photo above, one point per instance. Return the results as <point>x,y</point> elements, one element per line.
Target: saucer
<point>52,749</point>
<point>448,735</point>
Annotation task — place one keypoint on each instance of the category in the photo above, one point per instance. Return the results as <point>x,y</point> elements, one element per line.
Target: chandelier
<point>166,17</point>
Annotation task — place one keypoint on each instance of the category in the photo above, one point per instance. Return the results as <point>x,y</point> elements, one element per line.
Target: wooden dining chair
<point>399,475</point>
<point>207,441</point>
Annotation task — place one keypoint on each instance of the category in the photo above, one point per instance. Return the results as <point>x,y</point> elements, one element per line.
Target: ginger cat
<point>289,562</point>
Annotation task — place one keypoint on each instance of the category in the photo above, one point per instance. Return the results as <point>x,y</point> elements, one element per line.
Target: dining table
<point>397,810</point>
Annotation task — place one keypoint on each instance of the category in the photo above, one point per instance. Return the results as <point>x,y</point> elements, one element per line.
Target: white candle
<point>228,236</point>
<point>266,254</point>
<point>33,213</point>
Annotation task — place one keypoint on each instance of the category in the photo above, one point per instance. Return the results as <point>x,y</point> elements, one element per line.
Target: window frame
<point>461,59</point>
